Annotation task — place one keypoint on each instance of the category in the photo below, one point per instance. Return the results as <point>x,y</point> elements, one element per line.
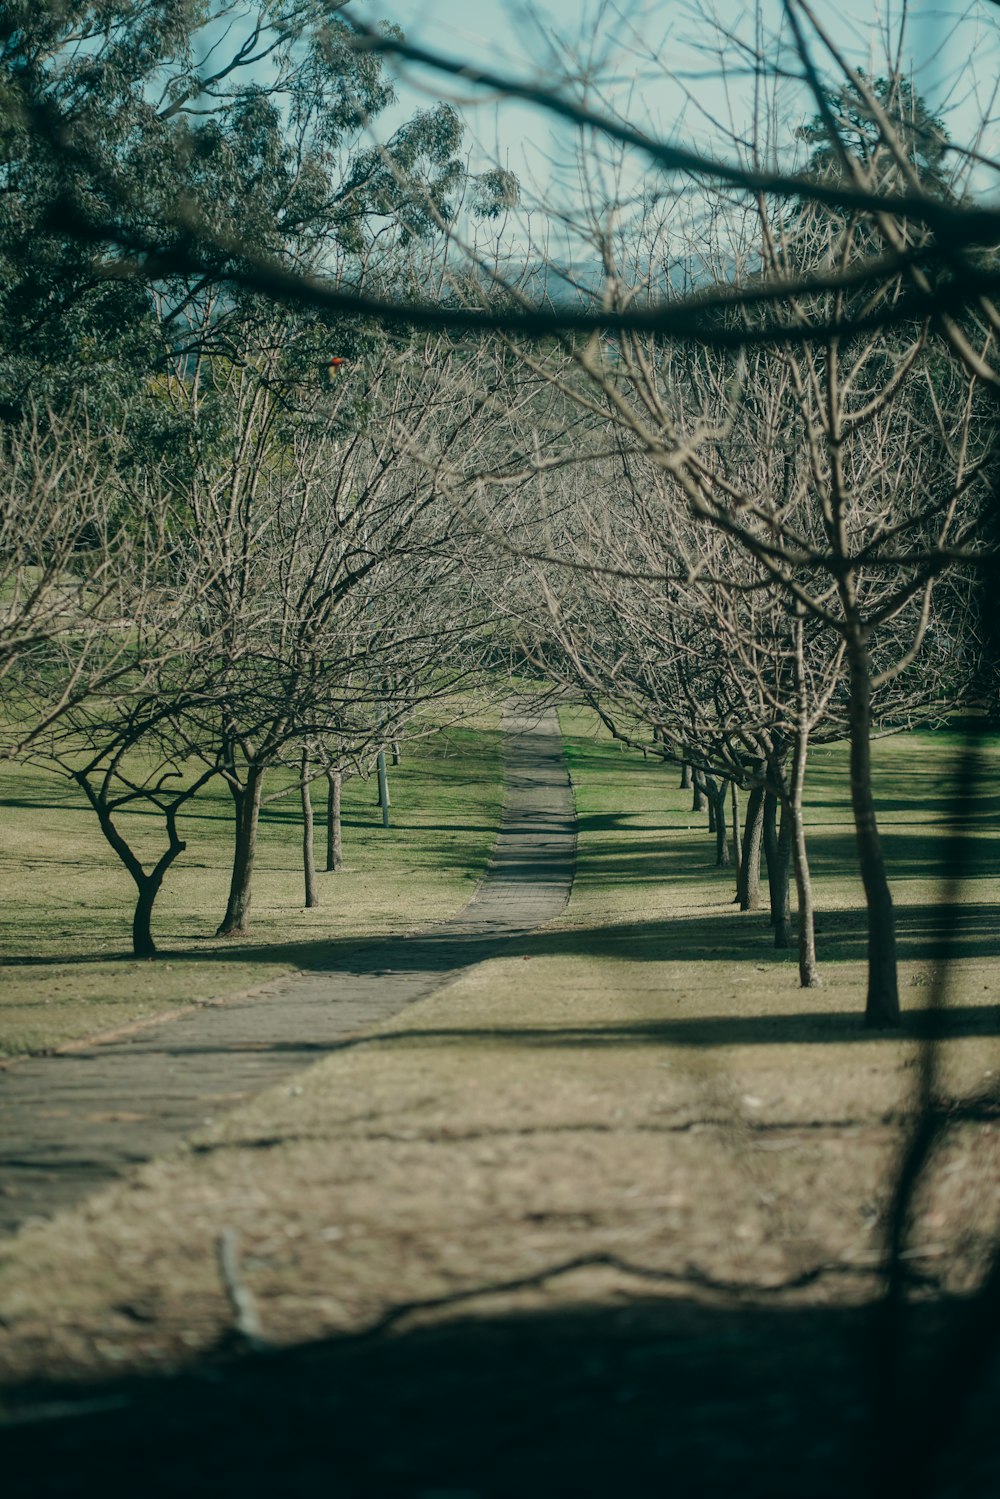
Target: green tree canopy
<point>234,126</point>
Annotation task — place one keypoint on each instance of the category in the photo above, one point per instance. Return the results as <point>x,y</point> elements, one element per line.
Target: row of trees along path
<point>76,1120</point>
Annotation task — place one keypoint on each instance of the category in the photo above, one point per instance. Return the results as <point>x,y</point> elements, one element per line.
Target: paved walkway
<point>71,1122</point>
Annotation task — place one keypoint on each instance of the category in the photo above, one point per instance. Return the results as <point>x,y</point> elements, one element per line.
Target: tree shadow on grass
<point>798,1029</point>
<point>977,809</point>
<point>911,854</point>
<point>684,857</point>
<point>699,1031</point>
<point>927,933</point>
<point>653,1397</point>
<point>615,822</point>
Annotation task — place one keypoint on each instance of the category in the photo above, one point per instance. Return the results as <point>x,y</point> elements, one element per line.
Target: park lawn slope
<point>608,1207</point>
<point>638,1102</point>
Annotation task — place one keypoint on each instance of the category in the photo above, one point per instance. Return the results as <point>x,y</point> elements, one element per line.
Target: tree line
<point>220,557</point>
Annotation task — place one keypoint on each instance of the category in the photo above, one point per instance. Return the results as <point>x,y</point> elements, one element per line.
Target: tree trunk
<point>783,906</point>
<point>737,839</point>
<point>716,791</point>
<point>397,758</point>
<point>685,776</point>
<point>334,836</point>
<point>769,833</point>
<point>308,846</point>
<point>383,788</point>
<point>143,945</point>
<point>882,1006</point>
<point>808,971</point>
<point>699,801</point>
<point>147,885</point>
<point>753,831</point>
<point>777,846</point>
<point>247,803</point>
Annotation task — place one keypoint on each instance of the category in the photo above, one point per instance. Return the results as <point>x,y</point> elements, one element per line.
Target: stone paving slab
<point>69,1123</point>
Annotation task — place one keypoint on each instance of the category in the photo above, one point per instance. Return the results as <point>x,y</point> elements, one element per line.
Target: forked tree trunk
<point>147,885</point>
<point>882,1006</point>
<point>334,832</point>
<point>699,801</point>
<point>308,846</point>
<point>748,890</point>
<point>246,799</point>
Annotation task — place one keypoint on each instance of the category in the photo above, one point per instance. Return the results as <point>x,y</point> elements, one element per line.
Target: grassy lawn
<point>629,1180</point>
<point>66,902</point>
<point>646,860</point>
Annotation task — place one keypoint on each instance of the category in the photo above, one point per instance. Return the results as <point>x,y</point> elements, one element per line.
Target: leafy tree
<point>846,138</point>
<point>217,128</point>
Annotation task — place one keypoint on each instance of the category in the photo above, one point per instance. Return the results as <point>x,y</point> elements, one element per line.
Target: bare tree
<point>93,587</point>
<point>322,536</point>
<point>126,759</point>
<point>684,646</point>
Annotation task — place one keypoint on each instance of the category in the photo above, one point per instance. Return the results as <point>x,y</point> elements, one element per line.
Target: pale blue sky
<point>645,48</point>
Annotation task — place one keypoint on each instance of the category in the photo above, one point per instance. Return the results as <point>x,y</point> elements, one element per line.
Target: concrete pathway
<point>69,1123</point>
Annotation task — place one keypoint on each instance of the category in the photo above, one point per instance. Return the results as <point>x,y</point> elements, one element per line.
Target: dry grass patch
<point>653,1096</point>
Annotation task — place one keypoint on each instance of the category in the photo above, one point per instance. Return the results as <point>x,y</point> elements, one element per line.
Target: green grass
<point>646,888</point>
<point>646,878</point>
<point>66,902</point>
